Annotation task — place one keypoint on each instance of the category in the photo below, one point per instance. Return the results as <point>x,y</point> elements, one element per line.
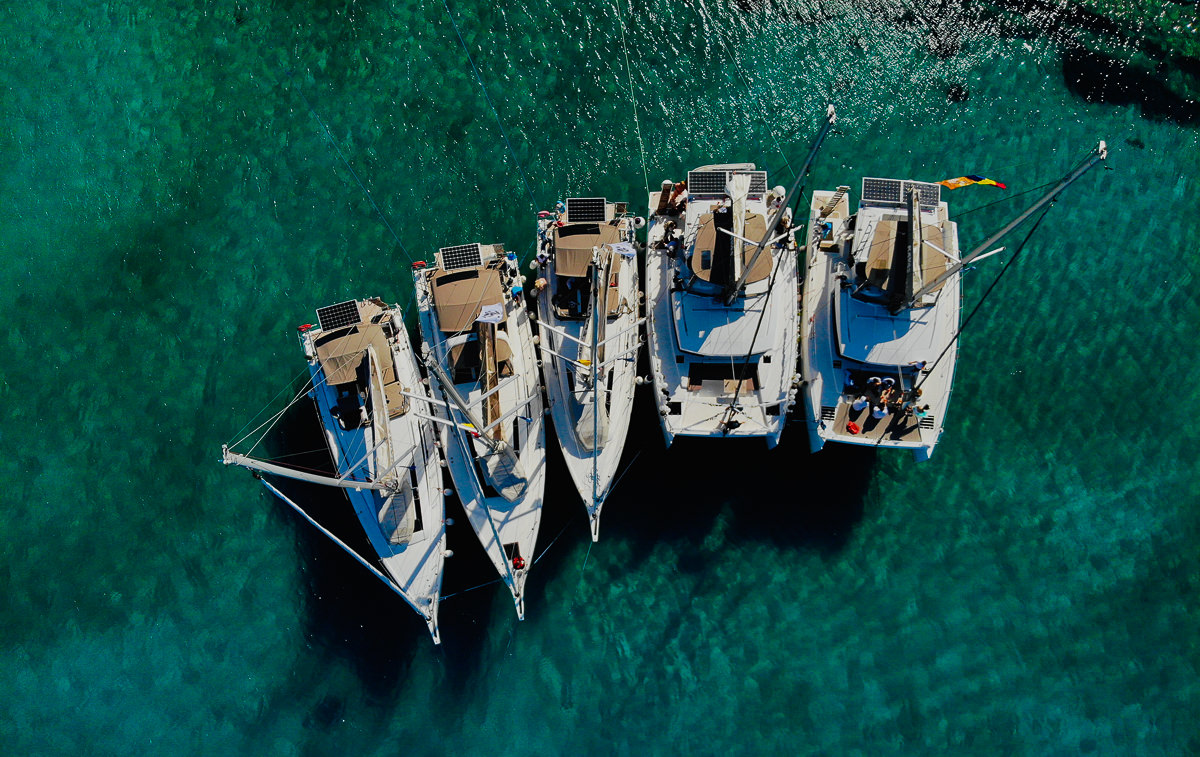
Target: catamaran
<point>881,311</point>
<point>721,285</point>
<point>368,392</point>
<point>588,337</point>
<point>478,347</point>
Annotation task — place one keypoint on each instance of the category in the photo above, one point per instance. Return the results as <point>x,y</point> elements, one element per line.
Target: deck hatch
<point>461,256</point>
<point>339,316</point>
<point>828,412</point>
<point>586,210</point>
<point>928,422</point>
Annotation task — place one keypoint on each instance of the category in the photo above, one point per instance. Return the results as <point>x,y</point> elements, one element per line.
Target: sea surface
<point>183,184</point>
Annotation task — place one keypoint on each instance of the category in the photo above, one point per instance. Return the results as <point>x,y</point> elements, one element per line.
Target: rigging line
<point>551,544</point>
<point>276,458</point>
<point>491,105</point>
<point>987,292</point>
<point>758,106</point>
<point>444,597</point>
<point>264,407</point>
<point>364,338</point>
<point>632,101</point>
<point>274,418</point>
<point>1078,163</point>
<point>622,473</point>
<point>1005,198</point>
<point>585,560</point>
<point>354,173</point>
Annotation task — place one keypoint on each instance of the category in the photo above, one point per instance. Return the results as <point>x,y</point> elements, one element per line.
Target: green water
<point>173,209</point>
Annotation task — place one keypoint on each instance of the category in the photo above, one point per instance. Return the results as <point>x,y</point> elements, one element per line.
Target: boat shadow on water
<point>783,496</point>
<point>349,613</point>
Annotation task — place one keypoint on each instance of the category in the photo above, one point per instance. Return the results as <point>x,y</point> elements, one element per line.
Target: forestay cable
<point>354,173</point>
<point>633,101</point>
<point>491,105</point>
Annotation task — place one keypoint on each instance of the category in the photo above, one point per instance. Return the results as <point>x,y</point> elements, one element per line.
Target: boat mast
<point>450,393</point>
<point>262,466</point>
<point>1100,154</point>
<point>487,353</point>
<point>495,445</point>
<point>830,119</point>
<point>599,303</point>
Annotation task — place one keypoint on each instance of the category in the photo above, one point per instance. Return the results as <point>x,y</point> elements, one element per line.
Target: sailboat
<point>882,308</point>
<point>478,348</point>
<point>721,285</point>
<point>367,388</point>
<point>589,336</point>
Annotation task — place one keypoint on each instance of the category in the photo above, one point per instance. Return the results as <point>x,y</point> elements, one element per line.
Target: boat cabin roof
<point>342,351</point>
<point>706,239</point>
<point>573,245</point>
<point>459,296</point>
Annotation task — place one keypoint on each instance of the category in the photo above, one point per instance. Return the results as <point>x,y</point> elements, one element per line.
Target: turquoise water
<point>173,209</point>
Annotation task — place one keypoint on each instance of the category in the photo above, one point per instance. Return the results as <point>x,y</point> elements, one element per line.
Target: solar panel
<point>706,182</point>
<point>586,209</point>
<point>713,182</point>
<point>892,192</point>
<point>339,316</point>
<point>881,190</point>
<point>930,194</point>
<point>461,256</point>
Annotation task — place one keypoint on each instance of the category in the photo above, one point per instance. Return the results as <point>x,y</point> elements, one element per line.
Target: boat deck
<point>894,428</point>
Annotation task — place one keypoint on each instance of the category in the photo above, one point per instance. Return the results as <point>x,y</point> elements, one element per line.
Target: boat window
<point>418,521</point>
<point>456,276</point>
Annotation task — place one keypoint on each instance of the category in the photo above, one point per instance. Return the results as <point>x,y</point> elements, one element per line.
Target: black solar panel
<point>461,256</point>
<point>891,192</point>
<point>706,182</point>
<point>713,182</point>
<point>881,190</point>
<point>586,209</point>
<point>339,316</point>
<point>931,194</point>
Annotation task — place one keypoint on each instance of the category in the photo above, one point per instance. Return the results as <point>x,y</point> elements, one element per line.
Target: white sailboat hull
<point>416,565</point>
<point>879,344</point>
<point>592,442</point>
<point>506,529</point>
<point>763,324</point>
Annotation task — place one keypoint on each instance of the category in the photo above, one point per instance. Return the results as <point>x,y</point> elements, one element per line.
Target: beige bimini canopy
<point>706,239</point>
<point>340,353</point>
<point>573,245</point>
<point>458,296</point>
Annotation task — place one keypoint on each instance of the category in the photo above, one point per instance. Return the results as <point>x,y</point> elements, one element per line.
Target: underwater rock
<point>1097,77</point>
<point>957,93</point>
